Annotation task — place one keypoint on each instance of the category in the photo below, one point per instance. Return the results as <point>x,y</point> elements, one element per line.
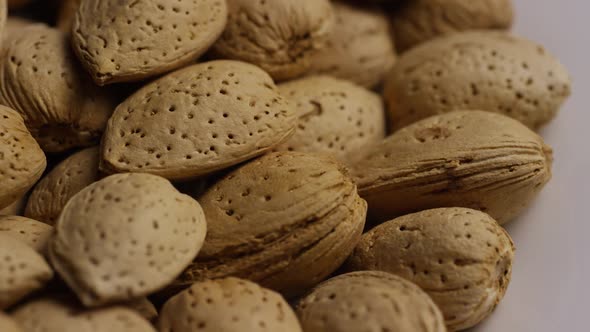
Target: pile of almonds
<point>265,165</point>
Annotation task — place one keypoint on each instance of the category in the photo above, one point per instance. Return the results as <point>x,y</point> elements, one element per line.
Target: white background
<point>550,286</point>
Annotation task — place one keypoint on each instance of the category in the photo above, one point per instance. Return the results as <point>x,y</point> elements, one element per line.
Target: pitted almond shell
<point>32,232</point>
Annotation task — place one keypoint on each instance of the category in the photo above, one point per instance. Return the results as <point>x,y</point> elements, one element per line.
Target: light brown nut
<point>461,257</point>
<point>369,301</point>
<point>280,36</point>
<point>473,159</point>
<point>66,14</point>
<point>32,232</point>
<point>336,117</point>
<point>488,71</point>
<point>73,112</point>
<point>227,305</point>
<point>52,193</point>
<point>65,315</point>
<point>7,324</point>
<point>22,161</point>
<point>22,270</point>
<point>421,20</point>
<point>359,48</point>
<point>286,220</point>
<point>14,209</point>
<point>128,40</point>
<point>125,237</point>
<point>196,121</point>
<point>3,15</point>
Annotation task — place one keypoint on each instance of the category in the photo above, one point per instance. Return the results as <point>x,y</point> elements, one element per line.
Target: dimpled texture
<point>22,271</point>
<point>278,35</point>
<point>471,159</point>
<point>421,20</point>
<point>489,71</point>
<point>227,305</point>
<point>286,220</point>
<point>64,181</point>
<point>124,237</point>
<point>129,40</point>
<point>461,257</point>
<point>22,161</point>
<point>7,324</point>
<point>197,120</point>
<point>65,315</point>
<point>336,117</point>
<point>369,301</point>
<point>73,112</point>
<point>359,48</point>
<point>32,232</point>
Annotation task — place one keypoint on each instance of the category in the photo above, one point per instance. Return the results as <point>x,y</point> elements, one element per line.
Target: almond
<point>7,324</point>
<point>32,232</point>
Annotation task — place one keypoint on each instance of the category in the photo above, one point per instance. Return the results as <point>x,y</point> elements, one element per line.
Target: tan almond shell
<point>64,315</point>
<point>280,36</point>
<point>197,120</point>
<point>473,159</point>
<point>360,47</point>
<point>32,232</point>
<point>3,16</point>
<point>124,237</point>
<point>286,220</point>
<point>422,20</point>
<point>228,304</point>
<point>51,194</point>
<point>336,117</point>
<point>22,161</point>
<point>73,113</point>
<point>22,271</point>
<point>489,71</point>
<point>7,324</point>
<point>369,301</point>
<point>128,40</point>
<point>461,257</point>
<point>66,14</point>
<point>14,209</point>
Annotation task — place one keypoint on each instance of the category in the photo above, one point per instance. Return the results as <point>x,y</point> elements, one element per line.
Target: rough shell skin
<point>73,112</point>
<point>196,121</point>
<point>473,159</point>
<point>124,237</point>
<point>22,271</point>
<point>369,301</point>
<point>128,40</point>
<point>7,324</point>
<point>336,117</point>
<point>32,232</point>
<point>359,48</point>
<point>489,71</point>
<point>226,305</point>
<point>280,36</point>
<point>461,257</point>
<point>64,181</point>
<point>286,220</point>
<point>22,161</point>
<point>65,315</point>
<point>421,20</point>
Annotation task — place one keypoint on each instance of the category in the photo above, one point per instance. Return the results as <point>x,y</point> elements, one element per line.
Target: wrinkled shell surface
<point>369,301</point>
<point>471,159</point>
<point>124,237</point>
<point>32,232</point>
<point>487,71</point>
<point>197,120</point>
<point>461,257</point>
<point>228,304</point>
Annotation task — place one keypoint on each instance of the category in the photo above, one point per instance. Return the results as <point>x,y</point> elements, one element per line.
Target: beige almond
<point>22,271</point>
<point>7,324</point>
<point>73,112</point>
<point>197,120</point>
<point>65,180</point>
<point>286,220</point>
<point>124,237</point>
<point>280,36</point>
<point>22,161</point>
<point>128,40</point>
<point>359,48</point>
<point>421,20</point>
<point>461,257</point>
<point>488,71</point>
<point>227,305</point>
<point>369,301</point>
<point>32,232</point>
<point>14,209</point>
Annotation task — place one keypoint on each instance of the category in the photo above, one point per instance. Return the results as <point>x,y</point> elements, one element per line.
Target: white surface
<point>550,283</point>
